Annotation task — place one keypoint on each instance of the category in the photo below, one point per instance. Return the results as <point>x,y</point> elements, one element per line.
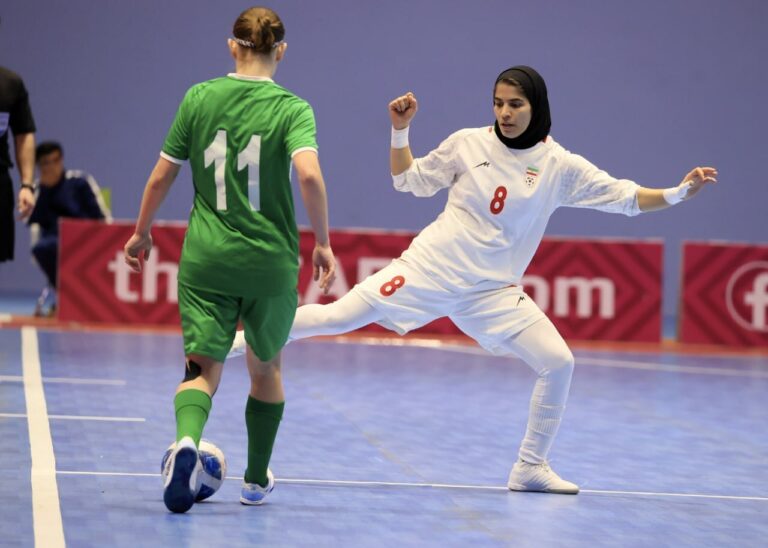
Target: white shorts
<point>408,298</point>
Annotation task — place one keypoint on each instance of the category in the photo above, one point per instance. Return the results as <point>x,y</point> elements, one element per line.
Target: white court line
<point>629,364</point>
<point>691,495</point>
<point>422,485</point>
<point>689,369</point>
<point>67,380</point>
<point>123,474</point>
<point>46,512</point>
<point>77,417</point>
<point>498,488</point>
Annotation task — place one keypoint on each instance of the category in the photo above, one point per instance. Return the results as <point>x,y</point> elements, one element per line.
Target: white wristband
<point>676,194</point>
<point>400,137</point>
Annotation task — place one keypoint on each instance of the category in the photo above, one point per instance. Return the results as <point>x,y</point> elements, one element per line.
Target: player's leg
<point>544,350</point>
<point>267,321</point>
<point>400,297</point>
<point>45,252</point>
<point>192,405</point>
<point>7,222</point>
<point>347,314</point>
<point>508,322</point>
<point>263,413</point>
<point>194,395</point>
<point>208,323</point>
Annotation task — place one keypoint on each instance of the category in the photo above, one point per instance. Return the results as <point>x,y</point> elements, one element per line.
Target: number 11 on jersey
<point>216,155</point>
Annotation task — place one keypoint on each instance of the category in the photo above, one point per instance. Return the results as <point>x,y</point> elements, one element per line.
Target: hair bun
<point>260,27</point>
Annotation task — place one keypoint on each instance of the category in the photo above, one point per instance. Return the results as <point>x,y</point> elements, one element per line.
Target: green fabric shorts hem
<point>209,321</point>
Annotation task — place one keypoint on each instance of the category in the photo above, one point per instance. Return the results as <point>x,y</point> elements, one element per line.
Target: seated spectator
<point>59,194</point>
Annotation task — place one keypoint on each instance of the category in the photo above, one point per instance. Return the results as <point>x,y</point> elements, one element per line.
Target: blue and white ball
<point>213,472</point>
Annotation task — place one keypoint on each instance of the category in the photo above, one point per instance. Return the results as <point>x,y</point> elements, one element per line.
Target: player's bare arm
<point>25,158</point>
<point>158,184</point>
<point>655,199</point>
<point>401,112</point>
<point>313,194</point>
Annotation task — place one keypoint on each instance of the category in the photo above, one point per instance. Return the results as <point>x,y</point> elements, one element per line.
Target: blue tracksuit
<point>76,195</point>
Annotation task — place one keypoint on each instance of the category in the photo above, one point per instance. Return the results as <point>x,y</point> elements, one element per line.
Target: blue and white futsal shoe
<point>45,307</point>
<point>539,478</point>
<point>254,494</point>
<point>182,476</point>
<point>239,346</point>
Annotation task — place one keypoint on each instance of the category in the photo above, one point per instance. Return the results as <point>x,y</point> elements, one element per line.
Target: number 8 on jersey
<point>497,204</point>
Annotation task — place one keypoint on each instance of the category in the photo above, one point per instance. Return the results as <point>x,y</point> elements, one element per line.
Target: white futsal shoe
<point>539,478</point>
<point>253,494</point>
<point>239,346</point>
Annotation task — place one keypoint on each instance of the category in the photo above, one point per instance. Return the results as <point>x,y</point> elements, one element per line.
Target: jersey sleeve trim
<point>95,189</point>
<point>171,158</point>
<point>302,149</point>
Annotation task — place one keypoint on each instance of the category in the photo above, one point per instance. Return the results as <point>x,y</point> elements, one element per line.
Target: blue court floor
<point>391,445</point>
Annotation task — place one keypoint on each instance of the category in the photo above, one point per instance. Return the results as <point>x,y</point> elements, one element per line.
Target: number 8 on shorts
<point>392,285</point>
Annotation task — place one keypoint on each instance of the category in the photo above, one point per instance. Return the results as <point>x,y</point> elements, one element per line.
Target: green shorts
<point>209,321</point>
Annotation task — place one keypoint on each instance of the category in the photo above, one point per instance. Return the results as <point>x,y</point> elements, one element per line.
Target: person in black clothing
<point>60,193</point>
<point>16,116</point>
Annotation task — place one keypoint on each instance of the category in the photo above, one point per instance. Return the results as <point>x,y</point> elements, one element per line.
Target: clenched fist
<point>402,110</point>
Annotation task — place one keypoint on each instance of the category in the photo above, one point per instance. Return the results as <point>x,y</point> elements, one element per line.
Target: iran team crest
<point>531,174</point>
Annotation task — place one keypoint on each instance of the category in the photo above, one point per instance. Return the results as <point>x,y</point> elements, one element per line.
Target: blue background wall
<point>645,90</point>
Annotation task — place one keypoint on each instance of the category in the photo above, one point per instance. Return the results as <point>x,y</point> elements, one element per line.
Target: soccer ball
<point>213,472</point>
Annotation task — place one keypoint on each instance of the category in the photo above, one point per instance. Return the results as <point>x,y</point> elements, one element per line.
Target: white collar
<point>237,76</point>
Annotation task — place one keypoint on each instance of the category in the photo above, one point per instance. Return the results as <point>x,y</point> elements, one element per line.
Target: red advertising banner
<point>724,294</point>
<point>95,284</point>
<point>591,289</point>
<point>606,290</point>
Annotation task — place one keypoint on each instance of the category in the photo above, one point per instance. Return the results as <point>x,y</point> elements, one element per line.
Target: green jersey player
<point>239,261</point>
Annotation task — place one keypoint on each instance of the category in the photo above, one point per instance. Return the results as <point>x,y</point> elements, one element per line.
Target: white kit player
<point>504,182</point>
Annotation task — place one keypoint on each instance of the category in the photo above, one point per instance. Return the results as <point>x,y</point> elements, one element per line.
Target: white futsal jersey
<point>499,203</point>
<point>469,262</point>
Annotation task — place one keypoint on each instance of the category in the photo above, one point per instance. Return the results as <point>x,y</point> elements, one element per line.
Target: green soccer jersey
<point>239,135</point>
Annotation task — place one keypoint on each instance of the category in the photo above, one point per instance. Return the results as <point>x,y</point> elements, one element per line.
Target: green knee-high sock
<point>192,408</point>
<point>262,420</point>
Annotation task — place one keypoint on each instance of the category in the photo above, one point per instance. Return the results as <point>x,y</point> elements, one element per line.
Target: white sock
<point>545,351</point>
<point>543,424</point>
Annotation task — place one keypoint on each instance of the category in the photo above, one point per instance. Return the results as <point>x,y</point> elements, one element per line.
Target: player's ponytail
<point>259,29</point>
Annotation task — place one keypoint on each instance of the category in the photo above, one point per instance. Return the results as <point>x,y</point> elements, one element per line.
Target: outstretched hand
<point>134,247</point>
<point>697,178</point>
<point>323,267</point>
<point>402,110</point>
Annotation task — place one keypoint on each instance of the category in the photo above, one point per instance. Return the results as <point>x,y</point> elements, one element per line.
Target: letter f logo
<point>757,299</point>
